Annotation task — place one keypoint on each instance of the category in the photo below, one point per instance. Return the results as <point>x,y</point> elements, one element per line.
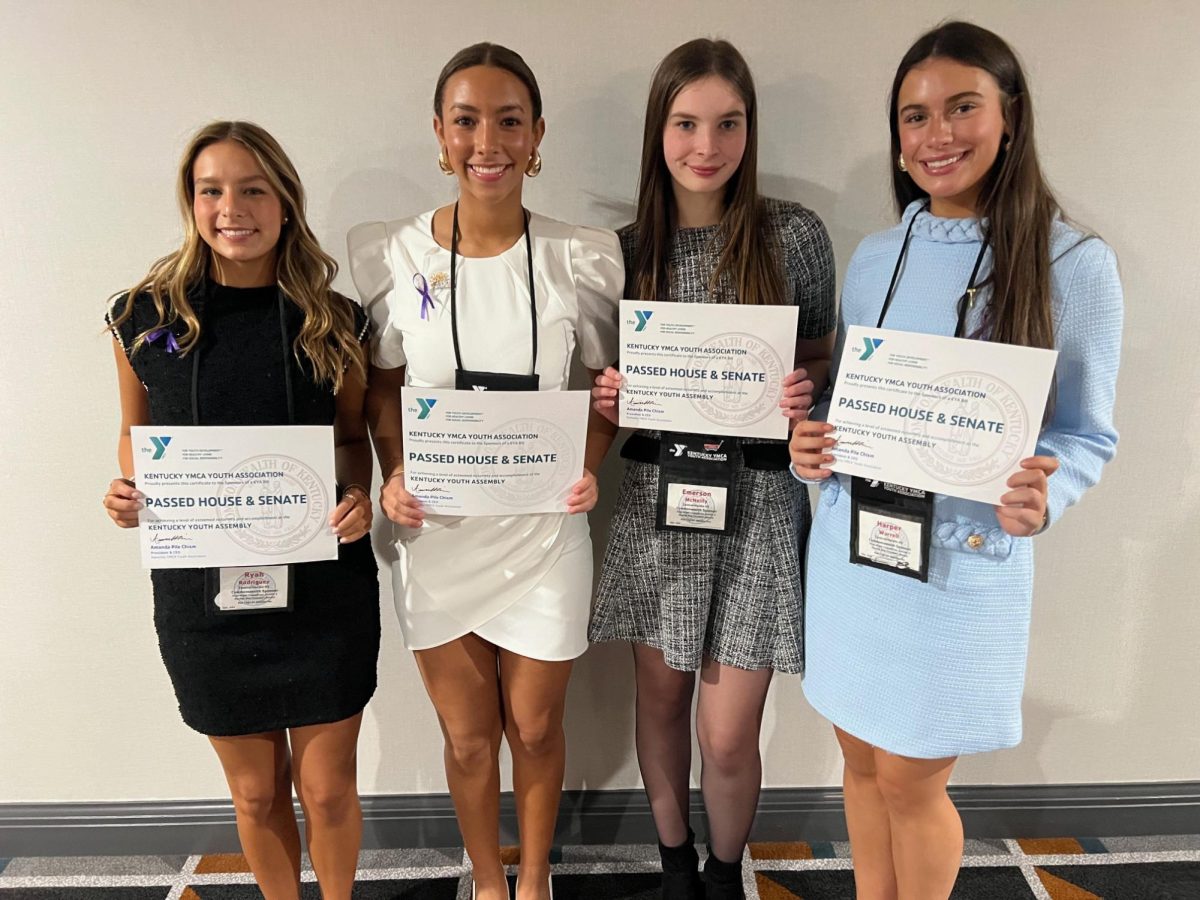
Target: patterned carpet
<point>1149,868</point>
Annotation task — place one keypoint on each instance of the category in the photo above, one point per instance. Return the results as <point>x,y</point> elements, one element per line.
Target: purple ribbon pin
<point>172,344</point>
<point>422,287</point>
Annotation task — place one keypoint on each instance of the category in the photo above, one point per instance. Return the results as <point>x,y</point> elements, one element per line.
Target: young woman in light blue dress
<point>912,674</point>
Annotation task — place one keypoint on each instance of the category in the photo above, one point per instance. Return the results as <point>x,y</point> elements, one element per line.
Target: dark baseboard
<point>600,817</point>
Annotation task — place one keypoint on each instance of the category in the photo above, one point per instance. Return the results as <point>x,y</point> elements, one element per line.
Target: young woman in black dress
<point>239,326</point>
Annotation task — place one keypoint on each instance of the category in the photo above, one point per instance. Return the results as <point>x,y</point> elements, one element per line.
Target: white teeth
<point>237,232</point>
<point>942,163</point>
<point>488,170</point>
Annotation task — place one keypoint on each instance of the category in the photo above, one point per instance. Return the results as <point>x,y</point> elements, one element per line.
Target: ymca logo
<point>643,316</point>
<point>160,446</point>
<point>870,345</point>
<point>479,387</point>
<point>426,407</point>
<point>679,448</point>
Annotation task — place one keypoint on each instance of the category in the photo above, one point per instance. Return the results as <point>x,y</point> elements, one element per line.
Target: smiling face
<point>951,125</point>
<point>238,213</point>
<point>704,138</point>
<point>488,131</point>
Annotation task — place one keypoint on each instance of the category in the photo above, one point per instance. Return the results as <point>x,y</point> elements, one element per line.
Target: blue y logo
<point>160,446</point>
<point>643,316</point>
<point>870,345</point>
<point>426,407</point>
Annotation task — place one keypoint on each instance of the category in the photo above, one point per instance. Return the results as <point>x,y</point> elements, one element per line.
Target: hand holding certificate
<point>493,453</point>
<point>706,368</point>
<point>234,496</point>
<point>942,414</point>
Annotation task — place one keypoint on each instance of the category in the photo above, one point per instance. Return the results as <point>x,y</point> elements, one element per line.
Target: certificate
<point>234,496</point>
<point>493,453</point>
<point>706,368</point>
<point>943,414</point>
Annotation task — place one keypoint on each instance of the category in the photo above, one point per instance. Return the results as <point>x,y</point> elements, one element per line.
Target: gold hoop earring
<point>444,163</point>
<point>900,162</point>
<point>534,167</point>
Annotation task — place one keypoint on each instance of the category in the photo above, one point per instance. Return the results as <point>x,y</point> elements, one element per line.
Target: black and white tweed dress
<point>735,597</point>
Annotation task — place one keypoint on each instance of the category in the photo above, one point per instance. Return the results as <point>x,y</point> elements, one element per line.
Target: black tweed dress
<point>253,673</point>
<point>735,597</point>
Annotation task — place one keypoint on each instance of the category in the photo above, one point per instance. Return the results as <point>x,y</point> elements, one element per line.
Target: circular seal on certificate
<point>741,381</point>
<point>541,463</point>
<point>279,504</point>
<point>975,429</point>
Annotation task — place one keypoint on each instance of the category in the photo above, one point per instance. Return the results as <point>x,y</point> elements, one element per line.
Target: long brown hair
<point>303,270</point>
<point>749,257</point>
<point>1016,206</point>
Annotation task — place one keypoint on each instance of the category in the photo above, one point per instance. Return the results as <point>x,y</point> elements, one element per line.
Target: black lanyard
<point>287,360</point>
<point>965,302</point>
<point>454,292</point>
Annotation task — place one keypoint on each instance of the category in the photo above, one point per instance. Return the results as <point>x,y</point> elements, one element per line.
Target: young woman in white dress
<point>495,608</point>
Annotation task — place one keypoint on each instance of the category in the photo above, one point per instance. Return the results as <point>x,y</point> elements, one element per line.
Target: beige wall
<point>97,99</point>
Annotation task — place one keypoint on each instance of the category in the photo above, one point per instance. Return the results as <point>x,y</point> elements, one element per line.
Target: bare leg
<point>664,740</point>
<point>325,770</point>
<point>728,721</point>
<point>867,820</point>
<point>463,681</point>
<point>534,694</point>
<point>258,771</point>
<point>927,835</point>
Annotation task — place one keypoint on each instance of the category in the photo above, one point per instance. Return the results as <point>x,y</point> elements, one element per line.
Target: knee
<point>330,799</point>
<point>471,749</point>
<point>728,750</point>
<point>666,701</point>
<point>255,797</point>
<point>536,735</point>
<point>905,794</point>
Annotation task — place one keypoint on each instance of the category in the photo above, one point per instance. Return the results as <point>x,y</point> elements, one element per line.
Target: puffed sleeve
<point>810,253</point>
<point>599,276</point>
<point>371,269</point>
<point>1081,433</point>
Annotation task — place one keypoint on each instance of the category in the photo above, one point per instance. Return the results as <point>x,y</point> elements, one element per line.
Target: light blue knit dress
<point>935,670</point>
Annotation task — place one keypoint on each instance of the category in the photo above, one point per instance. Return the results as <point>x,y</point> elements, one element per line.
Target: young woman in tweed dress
<point>727,605</point>
<point>913,674</point>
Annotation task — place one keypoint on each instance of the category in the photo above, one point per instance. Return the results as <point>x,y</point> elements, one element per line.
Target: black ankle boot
<point>680,878</point>
<point>722,880</point>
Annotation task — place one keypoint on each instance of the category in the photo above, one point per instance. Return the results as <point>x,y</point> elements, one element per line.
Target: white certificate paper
<point>234,496</point>
<point>706,368</point>
<point>493,453</point>
<point>943,414</point>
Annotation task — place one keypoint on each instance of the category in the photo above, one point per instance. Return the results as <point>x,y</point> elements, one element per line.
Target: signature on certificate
<point>643,403</point>
<point>170,538</point>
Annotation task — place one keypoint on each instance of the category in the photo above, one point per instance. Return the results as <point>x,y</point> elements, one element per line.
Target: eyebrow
<point>466,107</point>
<point>959,96</point>
<point>207,180</point>
<point>732,114</point>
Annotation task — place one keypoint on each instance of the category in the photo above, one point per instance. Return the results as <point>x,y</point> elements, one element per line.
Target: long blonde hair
<point>303,271</point>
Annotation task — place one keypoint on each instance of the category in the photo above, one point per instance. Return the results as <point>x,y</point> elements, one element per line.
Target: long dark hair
<point>498,57</point>
<point>748,255</point>
<point>1015,203</point>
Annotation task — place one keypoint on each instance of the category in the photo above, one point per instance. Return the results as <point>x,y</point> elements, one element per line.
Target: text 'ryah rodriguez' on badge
<point>706,368</point>
<point>245,589</point>
<point>234,495</point>
<point>947,415</point>
<point>493,453</point>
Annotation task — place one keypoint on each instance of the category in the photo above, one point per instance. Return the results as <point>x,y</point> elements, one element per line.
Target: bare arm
<point>351,519</point>
<point>807,382</point>
<point>385,418</point>
<point>600,433</point>
<point>123,500</point>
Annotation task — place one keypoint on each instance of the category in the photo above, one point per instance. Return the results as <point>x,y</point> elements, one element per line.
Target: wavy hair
<point>748,257</point>
<point>303,271</point>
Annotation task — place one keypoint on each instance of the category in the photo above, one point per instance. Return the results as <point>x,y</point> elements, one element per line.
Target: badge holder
<point>465,380</point>
<point>242,590</point>
<point>891,527</point>
<point>695,483</point>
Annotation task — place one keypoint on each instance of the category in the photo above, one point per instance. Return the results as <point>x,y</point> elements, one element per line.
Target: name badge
<point>891,527</point>
<point>695,483</point>
<point>249,589</point>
